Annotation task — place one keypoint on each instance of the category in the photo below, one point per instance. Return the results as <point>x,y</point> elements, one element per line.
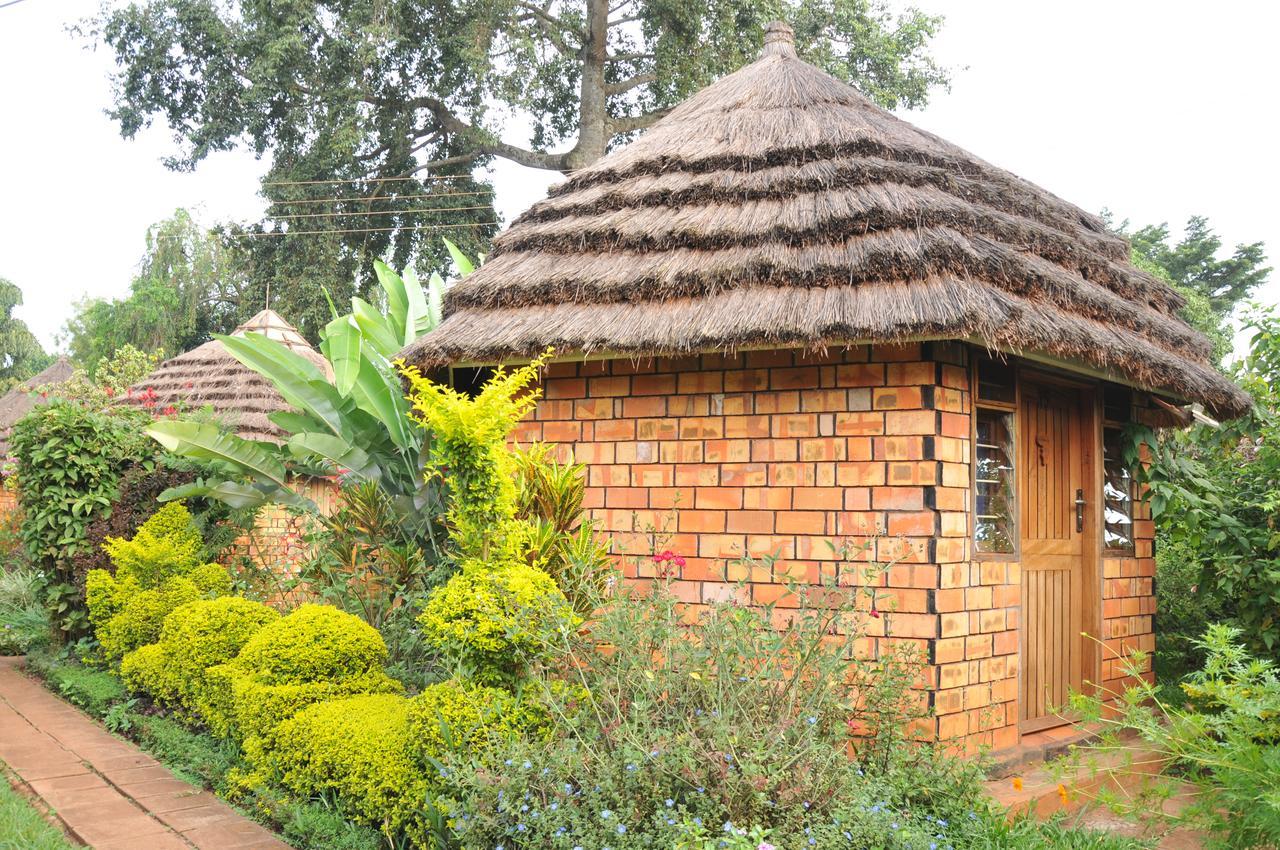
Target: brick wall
<point>794,454</point>
<point>778,453</point>
<point>275,544</point>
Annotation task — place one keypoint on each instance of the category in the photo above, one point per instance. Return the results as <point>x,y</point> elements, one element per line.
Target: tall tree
<point>1194,262</point>
<point>187,288</point>
<point>393,103</point>
<point>21,354</point>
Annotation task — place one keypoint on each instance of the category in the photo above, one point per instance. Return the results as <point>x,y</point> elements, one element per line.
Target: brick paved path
<point>108,793</point>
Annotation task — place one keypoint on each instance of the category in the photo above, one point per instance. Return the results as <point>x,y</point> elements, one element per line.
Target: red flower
<point>111,393</point>
<point>875,613</point>
<point>678,561</point>
<point>664,556</point>
<point>169,411</point>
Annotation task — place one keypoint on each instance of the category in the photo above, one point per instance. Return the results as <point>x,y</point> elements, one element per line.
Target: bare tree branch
<point>629,57</point>
<point>630,123</point>
<point>628,84</point>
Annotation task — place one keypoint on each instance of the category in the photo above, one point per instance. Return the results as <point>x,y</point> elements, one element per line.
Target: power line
<point>361,230</point>
<point>378,212</point>
<point>10,3</point>
<point>356,199</point>
<point>361,179</point>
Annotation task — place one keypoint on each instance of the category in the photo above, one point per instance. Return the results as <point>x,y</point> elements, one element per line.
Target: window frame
<point>1010,408</point>
<point>1109,424</point>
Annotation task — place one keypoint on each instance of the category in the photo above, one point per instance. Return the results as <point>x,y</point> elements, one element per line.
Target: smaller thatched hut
<point>210,375</point>
<point>19,401</point>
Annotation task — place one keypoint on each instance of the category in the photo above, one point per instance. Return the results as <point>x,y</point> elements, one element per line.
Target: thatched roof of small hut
<point>19,401</point>
<point>781,207</point>
<point>209,375</point>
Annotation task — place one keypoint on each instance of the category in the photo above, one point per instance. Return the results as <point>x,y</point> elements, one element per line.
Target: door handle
<point>1079,511</point>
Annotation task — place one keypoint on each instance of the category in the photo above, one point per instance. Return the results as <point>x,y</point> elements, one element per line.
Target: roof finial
<point>779,40</point>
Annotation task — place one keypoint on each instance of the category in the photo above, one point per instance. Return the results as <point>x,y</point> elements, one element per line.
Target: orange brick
<point>702,522</point>
<point>794,379</point>
<point>697,475</point>
<point>818,498</point>
<point>746,380</point>
<point>908,374</point>
<point>795,425</point>
<point>801,522</point>
<point>644,406</point>
<point>777,402</point>
<point>743,474</point>
<point>626,497</point>
<point>898,498</point>
<point>775,450</point>
<point>859,424</point>
<point>750,522</point>
<point>906,422</point>
<point>917,524</point>
<point>608,387</point>
<point>566,388</point>
<point>746,426</point>
<point>896,398</point>
<point>860,474</point>
<point>653,385</point>
<point>718,498</point>
<point>615,430</point>
<point>814,401</point>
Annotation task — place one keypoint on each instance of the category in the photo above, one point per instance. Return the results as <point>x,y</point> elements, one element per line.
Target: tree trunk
<point>593,116</point>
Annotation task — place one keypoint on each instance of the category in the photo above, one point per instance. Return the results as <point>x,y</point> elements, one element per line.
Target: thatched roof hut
<point>209,375</point>
<point>19,401</point>
<point>780,207</point>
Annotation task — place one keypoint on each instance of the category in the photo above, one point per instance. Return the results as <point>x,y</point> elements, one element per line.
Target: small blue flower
<point>521,827</point>
<point>508,762</point>
<point>605,814</point>
<point>727,826</point>
<point>525,807</point>
<point>812,721</point>
<point>526,765</point>
<point>670,802</point>
<point>622,829</point>
<point>554,806</point>
<point>631,767</point>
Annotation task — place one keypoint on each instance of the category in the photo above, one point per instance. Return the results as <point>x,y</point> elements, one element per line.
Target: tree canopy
<point>391,104</point>
<point>187,288</point>
<point>1193,262</point>
<point>21,354</point>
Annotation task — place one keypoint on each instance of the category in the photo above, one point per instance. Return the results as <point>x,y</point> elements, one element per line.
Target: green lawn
<point>23,828</point>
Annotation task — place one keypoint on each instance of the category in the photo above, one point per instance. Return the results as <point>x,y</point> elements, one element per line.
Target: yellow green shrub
<point>141,613</point>
<point>316,653</point>
<point>491,622</point>
<point>458,715</point>
<point>194,637</point>
<point>168,544</point>
<point>359,750</point>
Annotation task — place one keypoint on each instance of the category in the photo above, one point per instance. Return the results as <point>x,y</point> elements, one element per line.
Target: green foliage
<point>1193,262</point>
<point>1184,609</point>
<point>93,690</point>
<point>197,757</point>
<point>1226,741</point>
<point>1215,499</point>
<point>316,826</point>
<point>21,354</point>
<point>563,542</point>
<point>471,454</point>
<point>194,637</point>
<point>187,288</point>
<point>111,377</point>
<point>660,726</point>
<point>156,571</point>
<point>359,751</point>
<point>340,80</point>
<point>24,828</point>
<point>24,620</point>
<point>313,654</point>
<point>165,545</point>
<point>491,623</point>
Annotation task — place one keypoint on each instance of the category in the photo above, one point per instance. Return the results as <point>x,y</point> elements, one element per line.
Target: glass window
<point>994,527</point>
<point>1117,493</point>
<point>995,381</point>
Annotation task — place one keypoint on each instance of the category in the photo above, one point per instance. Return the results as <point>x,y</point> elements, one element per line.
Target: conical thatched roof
<point>19,401</point>
<point>780,207</point>
<point>209,375</point>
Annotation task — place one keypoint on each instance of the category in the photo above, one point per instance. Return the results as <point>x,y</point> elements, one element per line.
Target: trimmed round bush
<point>314,654</point>
<point>138,615</point>
<point>463,716</point>
<point>194,637</point>
<point>360,751</point>
<point>492,622</point>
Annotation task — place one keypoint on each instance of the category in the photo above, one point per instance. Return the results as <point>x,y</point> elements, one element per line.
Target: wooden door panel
<point>1052,455</point>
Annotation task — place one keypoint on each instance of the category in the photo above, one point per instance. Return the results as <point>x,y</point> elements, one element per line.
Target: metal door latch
<point>1079,511</point>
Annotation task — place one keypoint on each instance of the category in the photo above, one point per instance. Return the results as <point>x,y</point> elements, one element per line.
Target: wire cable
<point>363,179</point>
<point>377,212</point>
<point>251,234</point>
<point>356,199</point>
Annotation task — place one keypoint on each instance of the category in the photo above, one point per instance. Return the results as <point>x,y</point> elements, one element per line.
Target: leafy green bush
<point>197,757</point>
<point>1226,740</point>
<point>316,826</point>
<point>194,637</point>
<point>490,622</point>
<point>156,571</point>
<point>314,654</point>
<point>69,462</point>
<point>24,620</point>
<point>359,751</point>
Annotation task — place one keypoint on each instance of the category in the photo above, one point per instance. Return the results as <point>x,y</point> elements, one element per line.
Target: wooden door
<point>1054,422</point>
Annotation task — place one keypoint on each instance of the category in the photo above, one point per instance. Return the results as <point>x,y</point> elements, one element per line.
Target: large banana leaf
<point>461,260</point>
<point>418,317</point>
<point>292,422</point>
<point>377,392</point>
<point>376,329</point>
<point>398,318</point>
<point>205,441</point>
<point>435,304</point>
<point>337,452</point>
<point>238,495</point>
<point>276,363</point>
<point>341,344</point>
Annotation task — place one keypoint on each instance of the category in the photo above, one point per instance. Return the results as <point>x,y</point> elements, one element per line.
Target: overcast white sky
<point>1157,109</point>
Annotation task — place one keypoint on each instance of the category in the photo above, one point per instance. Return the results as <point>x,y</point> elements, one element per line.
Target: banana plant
<point>356,426</point>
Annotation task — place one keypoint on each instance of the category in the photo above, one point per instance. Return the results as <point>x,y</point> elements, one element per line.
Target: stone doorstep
<point>1037,748</point>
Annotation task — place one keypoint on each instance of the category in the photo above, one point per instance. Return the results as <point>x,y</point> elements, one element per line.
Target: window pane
<point>1117,493</point>
<point>994,527</point>
<point>1117,403</point>
<point>995,381</point>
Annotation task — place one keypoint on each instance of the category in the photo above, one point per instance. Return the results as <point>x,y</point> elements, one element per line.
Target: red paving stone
<point>109,794</point>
